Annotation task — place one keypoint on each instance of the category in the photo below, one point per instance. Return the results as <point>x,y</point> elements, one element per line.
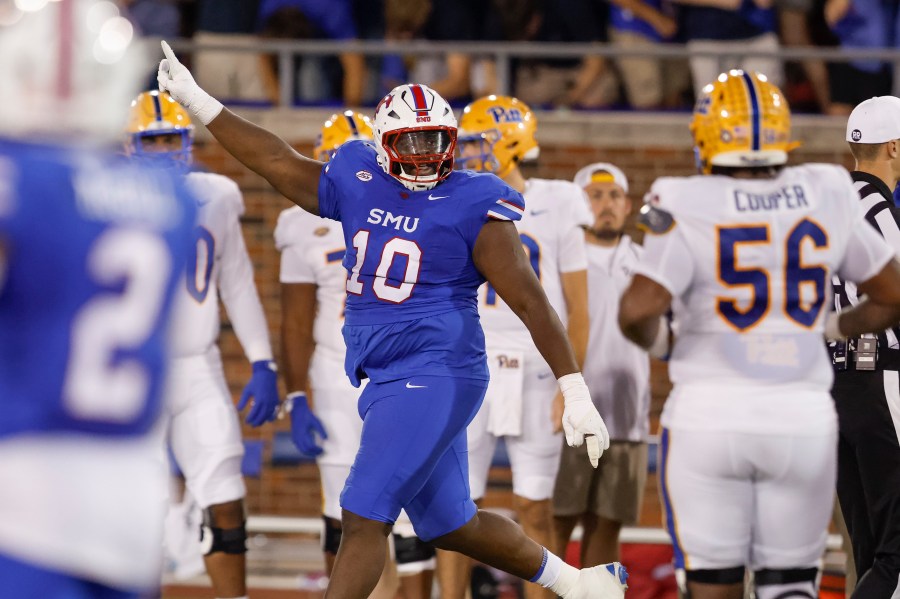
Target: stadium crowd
<point>728,27</point>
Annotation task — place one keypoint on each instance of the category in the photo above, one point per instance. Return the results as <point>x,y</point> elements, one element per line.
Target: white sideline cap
<point>875,121</point>
<point>604,172</point>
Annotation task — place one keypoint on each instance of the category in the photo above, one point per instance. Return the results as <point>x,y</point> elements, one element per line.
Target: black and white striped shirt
<point>878,204</point>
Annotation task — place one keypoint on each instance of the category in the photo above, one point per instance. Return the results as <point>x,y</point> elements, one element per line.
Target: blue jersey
<point>92,248</point>
<point>412,283</point>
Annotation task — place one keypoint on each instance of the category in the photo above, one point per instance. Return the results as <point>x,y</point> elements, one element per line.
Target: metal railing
<point>262,524</point>
<point>504,53</point>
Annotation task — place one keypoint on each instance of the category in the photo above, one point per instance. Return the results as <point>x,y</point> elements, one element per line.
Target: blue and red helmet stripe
<point>419,100</point>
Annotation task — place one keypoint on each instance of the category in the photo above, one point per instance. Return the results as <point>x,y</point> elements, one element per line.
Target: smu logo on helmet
<point>418,101</point>
<point>502,115</point>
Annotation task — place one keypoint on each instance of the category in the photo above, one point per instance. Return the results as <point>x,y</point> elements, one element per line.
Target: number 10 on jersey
<point>385,291</point>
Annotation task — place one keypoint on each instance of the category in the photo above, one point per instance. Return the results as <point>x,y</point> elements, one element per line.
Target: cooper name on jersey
<point>385,218</point>
<point>788,197</point>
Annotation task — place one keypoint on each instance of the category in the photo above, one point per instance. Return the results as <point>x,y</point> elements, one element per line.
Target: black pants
<point>868,482</point>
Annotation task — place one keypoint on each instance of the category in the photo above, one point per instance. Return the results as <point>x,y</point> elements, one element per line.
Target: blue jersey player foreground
<point>420,239</point>
<point>92,250</point>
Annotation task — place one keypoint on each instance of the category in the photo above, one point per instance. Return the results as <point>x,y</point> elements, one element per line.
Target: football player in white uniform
<point>749,438</point>
<point>205,434</point>
<point>496,134</point>
<point>313,288</point>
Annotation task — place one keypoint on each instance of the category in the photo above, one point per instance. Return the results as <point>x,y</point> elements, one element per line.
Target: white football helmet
<point>415,136</point>
<point>70,69</point>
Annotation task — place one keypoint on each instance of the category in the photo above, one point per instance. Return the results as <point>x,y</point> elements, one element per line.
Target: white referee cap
<point>601,172</point>
<point>875,121</point>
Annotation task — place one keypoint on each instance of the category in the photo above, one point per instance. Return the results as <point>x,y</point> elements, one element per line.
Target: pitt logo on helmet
<point>502,115</point>
<point>741,120</point>
<point>496,134</point>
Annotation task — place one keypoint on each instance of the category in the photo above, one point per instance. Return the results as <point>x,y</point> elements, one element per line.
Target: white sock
<point>555,574</point>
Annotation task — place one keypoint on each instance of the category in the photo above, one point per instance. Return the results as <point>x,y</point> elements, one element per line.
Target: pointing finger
<point>167,50</point>
<point>593,449</point>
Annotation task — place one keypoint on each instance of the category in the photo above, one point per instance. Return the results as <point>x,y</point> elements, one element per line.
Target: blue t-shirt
<point>624,20</point>
<point>409,260</point>
<point>867,24</point>
<point>708,23</point>
<point>94,250</point>
<point>332,18</point>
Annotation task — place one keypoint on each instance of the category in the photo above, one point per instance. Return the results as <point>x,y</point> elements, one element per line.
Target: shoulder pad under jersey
<point>657,221</point>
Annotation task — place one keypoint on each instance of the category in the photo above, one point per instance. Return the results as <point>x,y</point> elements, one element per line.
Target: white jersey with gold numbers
<point>219,266</point>
<point>312,249</point>
<point>551,234</point>
<point>751,261</point>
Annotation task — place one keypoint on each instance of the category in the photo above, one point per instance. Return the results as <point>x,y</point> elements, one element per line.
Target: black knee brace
<point>331,539</point>
<point>794,583</point>
<point>225,540</point>
<point>412,550</point>
<point>719,576</point>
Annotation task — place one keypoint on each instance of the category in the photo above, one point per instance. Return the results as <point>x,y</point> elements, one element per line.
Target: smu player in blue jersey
<point>420,240</point>
<point>91,252</point>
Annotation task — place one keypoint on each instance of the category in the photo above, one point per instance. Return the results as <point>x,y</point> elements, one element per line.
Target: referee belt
<point>853,354</point>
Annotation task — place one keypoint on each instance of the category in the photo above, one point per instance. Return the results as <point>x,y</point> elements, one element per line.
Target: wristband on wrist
<point>660,346</point>
<point>204,106</point>
<point>288,405</point>
<point>571,385</point>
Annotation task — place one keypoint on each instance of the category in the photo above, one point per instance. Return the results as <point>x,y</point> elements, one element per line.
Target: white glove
<point>175,78</point>
<point>581,420</point>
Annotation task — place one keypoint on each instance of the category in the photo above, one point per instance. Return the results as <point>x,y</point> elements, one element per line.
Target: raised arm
<point>293,175</point>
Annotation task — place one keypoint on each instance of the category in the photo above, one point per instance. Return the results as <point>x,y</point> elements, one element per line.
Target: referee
<point>866,387</point>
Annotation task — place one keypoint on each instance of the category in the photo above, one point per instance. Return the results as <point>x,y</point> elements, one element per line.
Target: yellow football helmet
<point>154,113</point>
<point>505,128</point>
<point>339,129</point>
<point>741,120</point>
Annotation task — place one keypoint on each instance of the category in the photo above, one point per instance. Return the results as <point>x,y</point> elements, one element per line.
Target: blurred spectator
<point>588,82</point>
<point>436,21</point>
<point>229,76</point>
<point>860,24</point>
<point>157,18</point>
<point>794,20</point>
<point>730,29</point>
<point>319,79</point>
<point>648,82</point>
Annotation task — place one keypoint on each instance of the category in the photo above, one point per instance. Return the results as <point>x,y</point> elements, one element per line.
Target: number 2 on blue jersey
<point>105,381</point>
<point>533,251</point>
<point>797,274</point>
